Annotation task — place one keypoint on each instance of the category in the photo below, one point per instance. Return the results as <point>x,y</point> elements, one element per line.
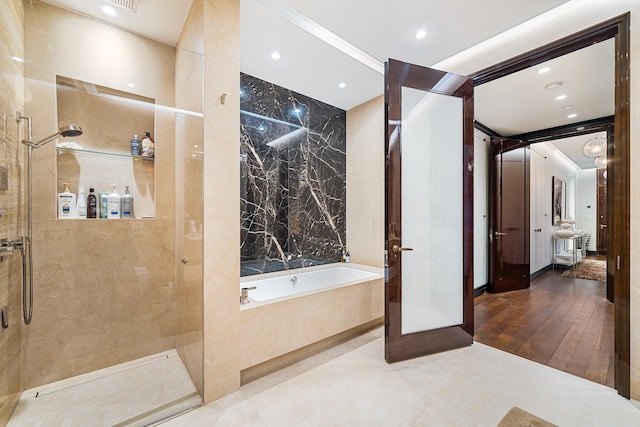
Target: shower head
<point>70,130</point>
<point>65,131</point>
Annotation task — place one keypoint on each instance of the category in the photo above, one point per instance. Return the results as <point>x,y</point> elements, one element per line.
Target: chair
<point>582,243</point>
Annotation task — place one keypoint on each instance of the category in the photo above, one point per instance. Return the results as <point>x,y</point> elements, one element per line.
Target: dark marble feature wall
<point>293,179</point>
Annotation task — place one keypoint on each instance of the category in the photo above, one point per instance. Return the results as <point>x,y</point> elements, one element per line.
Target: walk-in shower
<point>24,243</point>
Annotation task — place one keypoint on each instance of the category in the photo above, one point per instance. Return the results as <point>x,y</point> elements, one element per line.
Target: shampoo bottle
<point>92,204</point>
<point>66,203</point>
<point>81,207</point>
<point>126,202</point>
<point>136,147</point>
<point>113,204</point>
<point>104,201</point>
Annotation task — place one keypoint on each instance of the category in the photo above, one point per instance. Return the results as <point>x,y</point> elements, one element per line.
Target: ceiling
<point>322,44</point>
<point>572,148</point>
<point>519,103</point>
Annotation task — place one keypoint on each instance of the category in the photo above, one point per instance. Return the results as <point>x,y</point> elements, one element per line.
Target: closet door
<point>510,214</point>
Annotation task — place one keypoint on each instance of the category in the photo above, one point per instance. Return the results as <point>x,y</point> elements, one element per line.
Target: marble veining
<point>293,179</point>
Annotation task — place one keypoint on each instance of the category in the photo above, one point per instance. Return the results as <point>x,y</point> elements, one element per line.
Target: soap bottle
<point>113,204</point>
<point>81,207</point>
<point>148,146</point>
<point>126,203</point>
<point>66,203</point>
<point>136,147</point>
<point>92,204</point>
<point>347,257</point>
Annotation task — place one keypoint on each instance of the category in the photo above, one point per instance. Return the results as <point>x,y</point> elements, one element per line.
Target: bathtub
<point>280,286</point>
<point>327,303</point>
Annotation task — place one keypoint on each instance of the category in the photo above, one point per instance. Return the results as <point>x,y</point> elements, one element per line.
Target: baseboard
<point>270,366</point>
<point>540,272</point>
<point>481,290</point>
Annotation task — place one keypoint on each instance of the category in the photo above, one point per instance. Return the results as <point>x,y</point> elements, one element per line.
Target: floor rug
<point>516,417</point>
<point>590,269</point>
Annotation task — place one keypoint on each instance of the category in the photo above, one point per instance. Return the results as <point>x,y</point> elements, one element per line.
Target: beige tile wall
<point>221,197</point>
<point>104,290</point>
<point>11,100</point>
<point>365,183</point>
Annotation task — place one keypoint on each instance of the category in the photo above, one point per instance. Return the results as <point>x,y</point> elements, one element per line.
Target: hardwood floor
<point>560,322</point>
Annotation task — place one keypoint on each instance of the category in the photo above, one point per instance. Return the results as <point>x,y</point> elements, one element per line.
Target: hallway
<point>560,322</point>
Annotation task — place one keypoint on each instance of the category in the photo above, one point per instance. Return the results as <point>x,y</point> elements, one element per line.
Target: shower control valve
<point>6,248</point>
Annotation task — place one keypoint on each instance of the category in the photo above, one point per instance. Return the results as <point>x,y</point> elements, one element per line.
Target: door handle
<point>500,234</point>
<point>396,248</point>
<point>602,226</point>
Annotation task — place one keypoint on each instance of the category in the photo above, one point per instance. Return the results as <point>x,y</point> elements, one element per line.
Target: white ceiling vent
<point>131,5</point>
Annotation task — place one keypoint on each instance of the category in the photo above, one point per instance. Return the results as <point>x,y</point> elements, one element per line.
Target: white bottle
<point>66,203</point>
<point>81,207</point>
<point>126,204</point>
<point>113,204</point>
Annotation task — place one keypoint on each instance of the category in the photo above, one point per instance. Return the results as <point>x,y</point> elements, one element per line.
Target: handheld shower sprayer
<point>25,243</point>
<point>65,131</point>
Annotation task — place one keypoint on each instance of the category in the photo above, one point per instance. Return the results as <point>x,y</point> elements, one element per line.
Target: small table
<point>567,257</point>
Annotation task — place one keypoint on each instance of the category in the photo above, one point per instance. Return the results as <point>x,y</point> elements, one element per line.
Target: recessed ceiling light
<point>553,86</point>
<point>421,34</point>
<point>275,55</point>
<point>109,10</point>
<point>580,128</point>
<point>544,70</point>
<point>561,97</point>
<point>17,59</point>
<point>195,146</point>
<point>342,85</point>
<point>572,116</point>
<point>131,84</point>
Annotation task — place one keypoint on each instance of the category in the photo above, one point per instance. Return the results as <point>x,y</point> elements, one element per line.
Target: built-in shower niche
<point>101,156</point>
<point>293,179</point>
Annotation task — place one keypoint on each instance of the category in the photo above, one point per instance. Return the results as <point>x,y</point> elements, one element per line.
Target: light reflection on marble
<point>352,385</point>
<point>293,179</point>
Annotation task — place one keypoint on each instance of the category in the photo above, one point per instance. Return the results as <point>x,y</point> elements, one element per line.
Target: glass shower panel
<point>113,303</point>
<point>432,210</point>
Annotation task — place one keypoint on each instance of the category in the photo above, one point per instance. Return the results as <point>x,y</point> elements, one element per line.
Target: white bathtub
<point>327,301</point>
<point>283,285</point>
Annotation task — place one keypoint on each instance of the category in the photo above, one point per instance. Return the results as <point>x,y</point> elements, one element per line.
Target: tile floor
<point>352,385</point>
<point>133,393</point>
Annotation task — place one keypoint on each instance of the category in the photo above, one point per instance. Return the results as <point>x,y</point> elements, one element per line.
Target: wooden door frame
<point>618,257</point>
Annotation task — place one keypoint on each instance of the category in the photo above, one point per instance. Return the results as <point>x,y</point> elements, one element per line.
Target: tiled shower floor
<point>132,393</point>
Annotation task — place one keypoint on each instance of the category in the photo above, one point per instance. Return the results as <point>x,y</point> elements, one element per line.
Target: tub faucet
<point>294,280</point>
<point>244,295</point>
